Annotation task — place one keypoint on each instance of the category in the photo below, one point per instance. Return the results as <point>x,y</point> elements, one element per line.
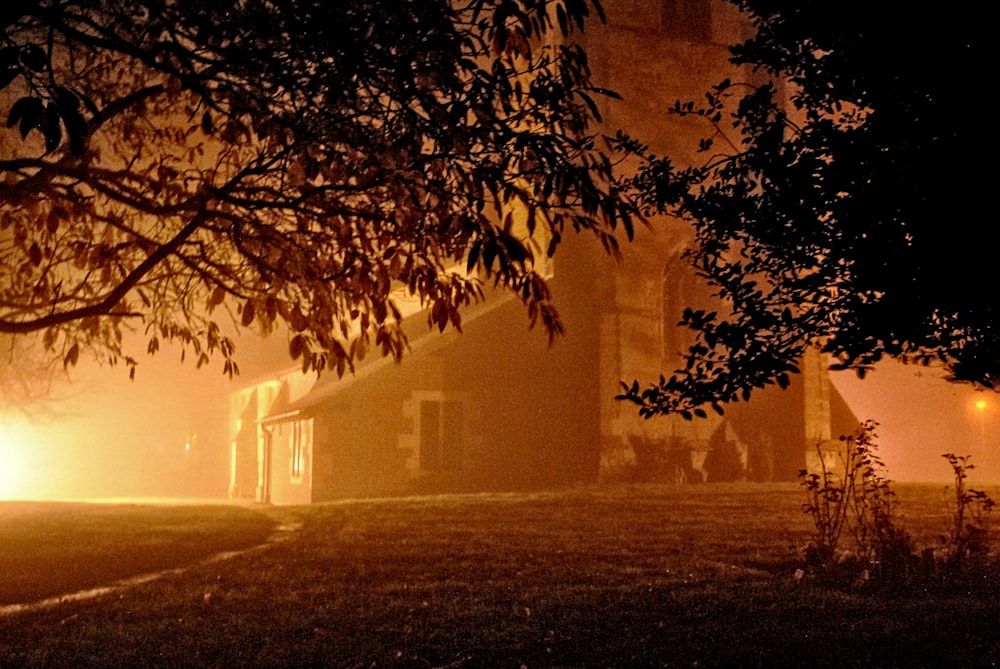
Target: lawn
<point>624,576</point>
<point>53,549</point>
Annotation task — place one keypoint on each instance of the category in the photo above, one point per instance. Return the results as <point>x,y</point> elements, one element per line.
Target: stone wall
<point>654,53</point>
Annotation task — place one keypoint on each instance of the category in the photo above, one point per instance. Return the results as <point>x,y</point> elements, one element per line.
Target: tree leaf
<point>34,58</point>
<point>9,56</point>
<point>217,297</point>
<point>296,346</point>
<point>7,76</point>
<point>72,356</point>
<point>248,314</point>
<point>388,130</point>
<point>25,112</point>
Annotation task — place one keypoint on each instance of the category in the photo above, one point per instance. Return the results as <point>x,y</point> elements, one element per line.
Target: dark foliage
<point>840,203</point>
<point>298,161</point>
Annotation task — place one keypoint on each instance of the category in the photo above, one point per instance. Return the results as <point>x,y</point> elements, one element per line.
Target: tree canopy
<point>840,203</point>
<point>169,165</point>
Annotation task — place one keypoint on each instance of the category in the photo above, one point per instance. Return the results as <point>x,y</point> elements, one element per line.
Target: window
<point>441,435</point>
<point>298,451</point>
<point>295,434</point>
<point>300,443</point>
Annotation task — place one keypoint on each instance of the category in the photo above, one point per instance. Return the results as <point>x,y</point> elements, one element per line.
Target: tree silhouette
<point>169,165</point>
<point>840,204</point>
<point>32,384</point>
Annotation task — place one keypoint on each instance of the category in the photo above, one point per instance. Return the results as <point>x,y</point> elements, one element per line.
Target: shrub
<point>852,496</point>
<point>849,495</point>
<point>968,527</point>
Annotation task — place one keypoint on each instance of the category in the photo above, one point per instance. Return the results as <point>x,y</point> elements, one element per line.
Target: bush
<point>849,496</point>
<point>968,528</point>
<point>852,497</point>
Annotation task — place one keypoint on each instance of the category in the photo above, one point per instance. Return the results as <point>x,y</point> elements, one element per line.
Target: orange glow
<point>111,437</point>
<point>921,416</point>
<point>16,464</point>
<point>52,458</point>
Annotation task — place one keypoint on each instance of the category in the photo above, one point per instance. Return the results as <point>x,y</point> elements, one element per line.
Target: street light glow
<point>14,465</point>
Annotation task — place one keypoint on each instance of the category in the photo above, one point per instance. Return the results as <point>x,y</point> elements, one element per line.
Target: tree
<point>170,165</point>
<point>840,203</point>
<point>32,384</point>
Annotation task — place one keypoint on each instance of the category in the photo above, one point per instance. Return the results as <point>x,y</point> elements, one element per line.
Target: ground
<point>617,576</point>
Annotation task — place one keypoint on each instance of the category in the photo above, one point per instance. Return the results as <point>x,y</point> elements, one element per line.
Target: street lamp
<point>981,413</point>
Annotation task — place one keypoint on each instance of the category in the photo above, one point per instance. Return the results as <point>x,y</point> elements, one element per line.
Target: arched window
<point>683,289</point>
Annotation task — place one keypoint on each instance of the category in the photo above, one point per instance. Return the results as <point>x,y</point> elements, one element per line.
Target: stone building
<point>497,407</point>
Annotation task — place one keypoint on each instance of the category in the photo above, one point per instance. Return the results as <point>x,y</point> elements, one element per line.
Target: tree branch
<point>115,296</point>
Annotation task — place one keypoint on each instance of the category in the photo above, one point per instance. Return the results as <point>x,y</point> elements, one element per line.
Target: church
<point>497,407</point>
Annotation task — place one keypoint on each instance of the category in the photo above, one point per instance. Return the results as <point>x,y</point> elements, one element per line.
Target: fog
<point>164,434</point>
<point>104,435</point>
<point>922,416</point>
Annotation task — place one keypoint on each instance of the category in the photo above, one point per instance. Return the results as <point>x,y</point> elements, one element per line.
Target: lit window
<point>299,446</point>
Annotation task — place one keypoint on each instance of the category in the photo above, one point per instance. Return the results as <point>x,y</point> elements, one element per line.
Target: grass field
<point>630,576</point>
<point>48,550</point>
